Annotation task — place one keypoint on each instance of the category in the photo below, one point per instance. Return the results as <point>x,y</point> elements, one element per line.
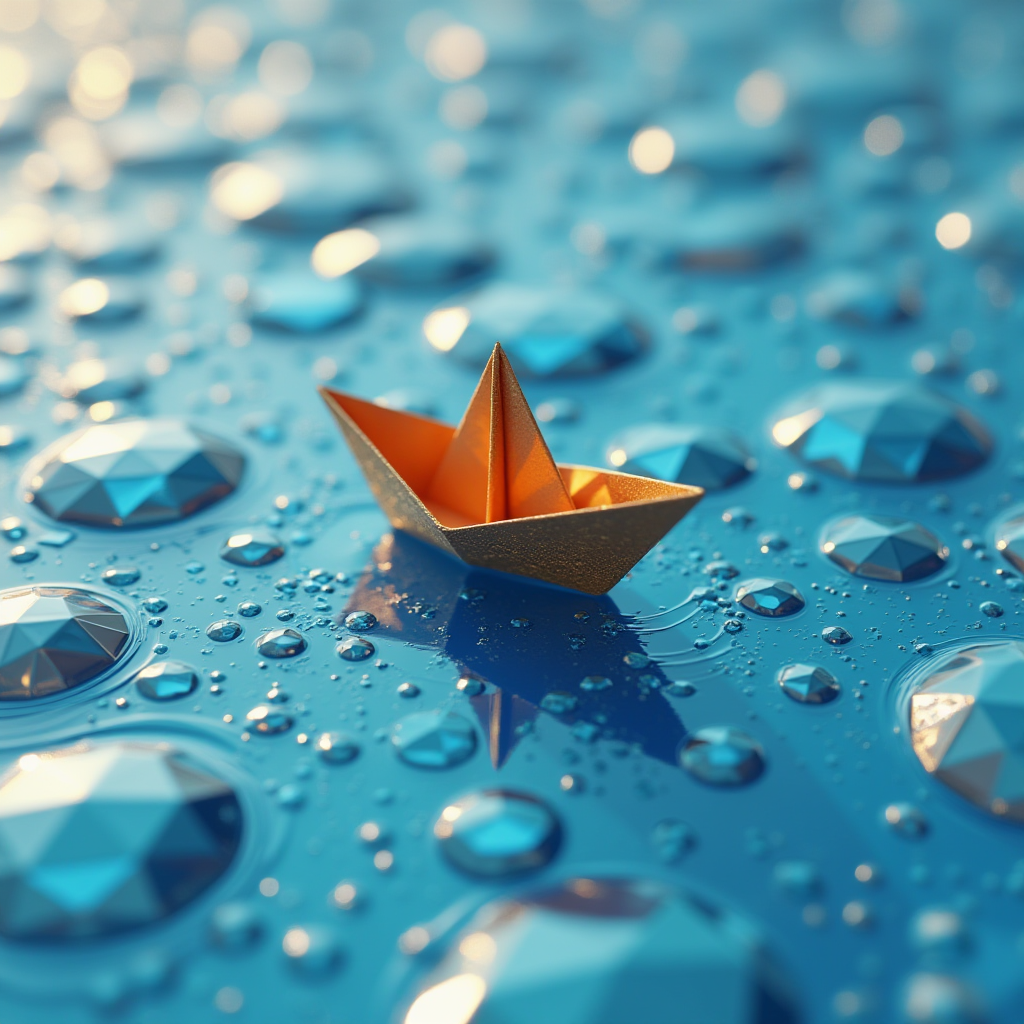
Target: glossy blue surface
<point>773,249</point>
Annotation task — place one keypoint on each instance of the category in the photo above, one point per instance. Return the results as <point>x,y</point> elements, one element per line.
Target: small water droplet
<point>224,630</point>
<point>166,680</point>
<point>355,648</point>
<point>836,635</point>
<point>722,756</point>
<point>360,622</point>
<point>280,643</point>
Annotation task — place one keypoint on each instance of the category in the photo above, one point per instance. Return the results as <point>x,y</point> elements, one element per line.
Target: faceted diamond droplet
<point>883,431</point>
<point>132,473</point>
<point>434,739</point>
<point>54,639</point>
<point>171,829</point>
<point>964,725</point>
<point>884,548</point>
<point>355,648</point>
<point>252,548</point>
<point>545,332</point>
<point>836,635</point>
<point>808,684</point>
<point>166,680</point>
<point>702,456</point>
<point>641,944</point>
<point>772,598</point>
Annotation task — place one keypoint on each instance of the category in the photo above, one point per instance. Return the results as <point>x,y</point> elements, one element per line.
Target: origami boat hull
<point>618,519</point>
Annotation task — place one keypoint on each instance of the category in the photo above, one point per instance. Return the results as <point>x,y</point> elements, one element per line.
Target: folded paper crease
<point>490,492</point>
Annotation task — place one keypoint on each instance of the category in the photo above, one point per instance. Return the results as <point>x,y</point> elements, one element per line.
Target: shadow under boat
<point>526,640</point>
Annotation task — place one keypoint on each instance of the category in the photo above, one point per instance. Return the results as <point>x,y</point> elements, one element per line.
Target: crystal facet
<point>884,548</point>
<point>808,684</point>
<point>434,739</point>
<point>252,548</point>
<point>883,431</point>
<point>702,456</point>
<point>166,680</point>
<point>125,834</point>
<point>545,333</point>
<point>773,598</point>
<point>498,833</point>
<point>54,639</point>
<point>967,726</point>
<point>604,951</point>
<point>132,473</point>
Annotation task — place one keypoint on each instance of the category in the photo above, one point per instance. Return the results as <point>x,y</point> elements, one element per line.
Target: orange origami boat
<point>489,491</point>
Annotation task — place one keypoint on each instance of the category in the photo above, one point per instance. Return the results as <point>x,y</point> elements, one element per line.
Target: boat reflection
<point>526,641</point>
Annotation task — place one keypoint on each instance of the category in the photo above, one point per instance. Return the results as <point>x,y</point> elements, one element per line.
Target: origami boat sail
<point>497,465</point>
<point>489,491</point>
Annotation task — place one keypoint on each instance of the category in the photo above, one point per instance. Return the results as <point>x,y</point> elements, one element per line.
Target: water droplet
<point>166,680</point>
<point>558,702</point>
<point>703,456</point>
<point>680,688</point>
<point>172,864</point>
<point>224,630</point>
<point>12,528</point>
<point>280,643</point>
<point>884,548</point>
<point>906,820</point>
<point>941,999</point>
<point>337,747</point>
<point>252,548</point>
<point>859,430</point>
<point>673,840</point>
<point>469,686</point>
<point>268,720</point>
<point>120,575</point>
<point>434,739</point>
<point>545,332</point>
<point>312,950</point>
<point>249,609</point>
<point>991,608</point>
<point>498,833</point>
<point>836,635</point>
<point>54,639</point>
<point>175,471</point>
<point>961,730</point>
<point>355,648</point>
<point>722,756</point>
<point>808,684</point>
<point>360,622</point>
<point>936,930</point>
<point>773,598</point>
<point>235,925</point>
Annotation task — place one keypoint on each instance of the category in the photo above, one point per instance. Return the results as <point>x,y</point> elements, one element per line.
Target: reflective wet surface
<point>265,758</point>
